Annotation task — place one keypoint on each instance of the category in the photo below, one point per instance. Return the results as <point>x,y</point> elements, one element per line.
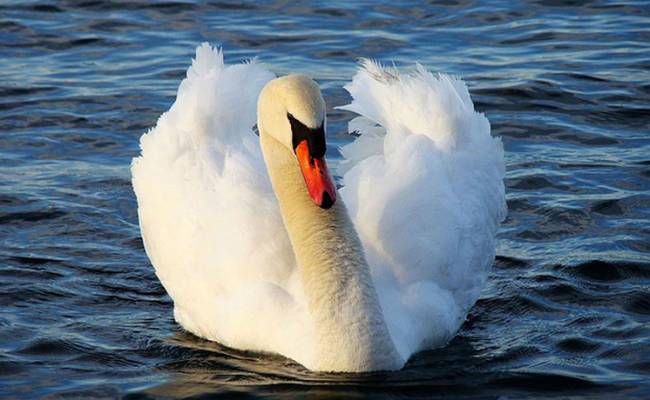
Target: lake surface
<point>566,84</point>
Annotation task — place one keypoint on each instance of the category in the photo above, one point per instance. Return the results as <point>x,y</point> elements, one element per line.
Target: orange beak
<point>317,178</point>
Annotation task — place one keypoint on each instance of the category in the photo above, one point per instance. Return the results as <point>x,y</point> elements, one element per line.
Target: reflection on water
<point>565,83</point>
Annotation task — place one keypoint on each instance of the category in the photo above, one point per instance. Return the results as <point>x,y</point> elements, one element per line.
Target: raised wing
<point>424,186</point>
<point>209,219</point>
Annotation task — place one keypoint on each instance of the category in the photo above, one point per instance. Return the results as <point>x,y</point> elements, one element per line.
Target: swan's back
<point>424,186</point>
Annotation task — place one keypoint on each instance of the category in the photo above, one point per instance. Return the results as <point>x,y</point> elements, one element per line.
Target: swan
<point>258,248</point>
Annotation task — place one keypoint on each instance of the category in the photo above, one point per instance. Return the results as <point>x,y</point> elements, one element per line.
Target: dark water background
<point>566,312</point>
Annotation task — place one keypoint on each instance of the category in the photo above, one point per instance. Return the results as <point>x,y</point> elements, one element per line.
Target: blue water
<point>566,312</point>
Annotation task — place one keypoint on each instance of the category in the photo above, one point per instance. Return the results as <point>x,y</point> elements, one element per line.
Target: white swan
<point>280,265</point>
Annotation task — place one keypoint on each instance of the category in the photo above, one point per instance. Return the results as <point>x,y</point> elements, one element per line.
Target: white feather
<point>423,186</point>
<point>209,219</point>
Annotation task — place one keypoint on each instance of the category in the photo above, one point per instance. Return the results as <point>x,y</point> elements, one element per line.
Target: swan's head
<point>292,111</point>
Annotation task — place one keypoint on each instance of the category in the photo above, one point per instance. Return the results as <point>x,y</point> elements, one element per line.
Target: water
<point>566,84</point>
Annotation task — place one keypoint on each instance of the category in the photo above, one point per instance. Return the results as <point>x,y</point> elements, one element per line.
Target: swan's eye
<point>315,137</point>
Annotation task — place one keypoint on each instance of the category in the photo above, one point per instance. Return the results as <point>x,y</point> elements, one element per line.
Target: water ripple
<point>566,312</point>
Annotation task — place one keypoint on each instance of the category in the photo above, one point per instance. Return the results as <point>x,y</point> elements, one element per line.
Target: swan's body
<point>252,262</point>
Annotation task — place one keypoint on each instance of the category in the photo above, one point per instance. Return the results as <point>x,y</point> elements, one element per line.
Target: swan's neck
<point>351,334</point>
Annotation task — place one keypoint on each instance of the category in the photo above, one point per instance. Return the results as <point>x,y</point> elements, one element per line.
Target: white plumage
<point>423,185</point>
